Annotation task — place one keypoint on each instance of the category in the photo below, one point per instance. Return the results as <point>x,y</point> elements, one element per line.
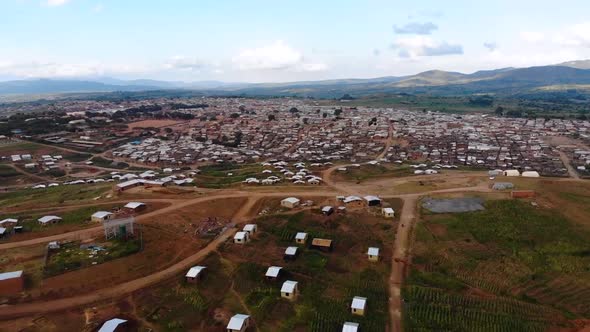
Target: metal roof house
<point>289,290</point>
<point>238,323</point>
<point>194,273</point>
<point>358,305</point>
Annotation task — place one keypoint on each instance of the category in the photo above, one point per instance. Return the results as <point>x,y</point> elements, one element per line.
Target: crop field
<point>234,280</point>
<point>511,267</point>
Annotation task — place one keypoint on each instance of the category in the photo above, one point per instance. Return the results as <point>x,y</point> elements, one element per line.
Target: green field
<point>37,198</point>
<point>216,176</point>
<point>8,172</point>
<point>511,267</point>
<point>73,217</point>
<point>368,172</point>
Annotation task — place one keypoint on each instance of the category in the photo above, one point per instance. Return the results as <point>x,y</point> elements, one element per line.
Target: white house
<point>112,325</point>
<point>290,253</point>
<point>358,305</point>
<point>388,212</point>
<point>238,323</point>
<point>194,273</point>
<point>289,290</point>
<point>290,202</point>
<point>512,172</point>
<point>9,222</point>
<point>101,216</point>
<point>373,254</point>
<point>49,220</point>
<point>135,206</point>
<point>273,272</point>
<point>350,327</point>
<point>301,237</point>
<point>241,237</point>
<point>250,229</point>
<point>530,174</point>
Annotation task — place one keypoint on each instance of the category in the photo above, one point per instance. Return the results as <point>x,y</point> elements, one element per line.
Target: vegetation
<point>511,267</point>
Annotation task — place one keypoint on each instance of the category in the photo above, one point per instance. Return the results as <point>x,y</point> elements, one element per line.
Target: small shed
<point>290,202</point>
<point>350,327</point>
<point>358,305</point>
<point>373,254</point>
<point>135,206</point>
<point>241,237</point>
<point>101,216</point>
<point>238,323</point>
<point>8,222</point>
<point>2,231</point>
<point>531,174</point>
<point>301,238</point>
<point>250,229</point>
<point>327,210</point>
<point>11,283</point>
<point>353,201</point>
<point>273,272</point>
<point>291,253</point>
<point>46,220</point>
<point>114,325</point>
<point>372,200</point>
<point>195,273</point>
<point>388,212</point>
<point>512,172</point>
<point>322,244</point>
<point>289,290</point>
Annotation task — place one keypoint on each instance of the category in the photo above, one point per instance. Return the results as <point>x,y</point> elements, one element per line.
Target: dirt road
<point>400,253</point>
<point>567,163</point>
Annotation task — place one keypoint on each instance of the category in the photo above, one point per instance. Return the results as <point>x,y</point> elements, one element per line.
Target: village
<point>251,215</point>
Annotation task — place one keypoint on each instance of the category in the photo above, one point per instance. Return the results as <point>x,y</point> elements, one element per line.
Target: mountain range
<point>505,81</point>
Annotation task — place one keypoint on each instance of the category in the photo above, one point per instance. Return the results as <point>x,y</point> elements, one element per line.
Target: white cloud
<point>98,8</point>
<point>532,36</point>
<point>276,56</point>
<point>39,69</point>
<point>416,46</point>
<point>577,35</point>
<point>491,46</point>
<point>416,28</point>
<point>185,63</point>
<point>55,3</point>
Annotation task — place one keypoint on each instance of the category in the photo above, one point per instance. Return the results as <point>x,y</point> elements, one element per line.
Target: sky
<point>280,40</point>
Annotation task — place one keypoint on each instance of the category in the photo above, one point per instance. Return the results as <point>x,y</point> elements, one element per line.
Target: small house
<point>101,216</point>
<point>273,272</point>
<point>11,283</point>
<point>290,202</point>
<point>322,244</point>
<point>289,290</point>
<point>3,232</point>
<point>358,305</point>
<point>194,274</point>
<point>372,200</point>
<point>512,172</point>
<point>114,325</point>
<point>301,238</point>
<point>350,327</point>
<point>327,210</point>
<point>388,212</point>
<point>353,201</point>
<point>530,174</point>
<point>46,220</point>
<point>250,229</point>
<point>291,253</point>
<point>373,254</point>
<point>135,206</point>
<point>241,237</point>
<point>238,323</point>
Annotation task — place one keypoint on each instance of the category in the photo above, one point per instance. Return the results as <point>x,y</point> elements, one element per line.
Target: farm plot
<point>369,172</point>
<point>227,174</point>
<point>511,267</point>
<point>35,198</point>
<point>234,280</point>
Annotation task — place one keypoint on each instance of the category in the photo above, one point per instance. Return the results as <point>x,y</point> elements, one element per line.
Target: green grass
<point>73,217</point>
<point>216,176</point>
<point>530,261</point>
<point>366,172</point>
<point>108,163</point>
<point>26,147</point>
<point>7,171</point>
<point>52,196</point>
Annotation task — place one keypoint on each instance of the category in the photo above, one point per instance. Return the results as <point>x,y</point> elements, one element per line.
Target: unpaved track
<point>400,251</point>
<point>567,163</point>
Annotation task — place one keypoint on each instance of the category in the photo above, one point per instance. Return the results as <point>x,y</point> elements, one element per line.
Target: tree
<point>294,110</point>
<point>324,115</point>
<point>271,117</point>
<point>338,111</point>
<point>499,111</point>
<point>234,115</point>
<point>305,120</point>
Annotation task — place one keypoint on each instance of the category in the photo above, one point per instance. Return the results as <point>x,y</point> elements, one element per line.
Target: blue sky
<point>264,41</point>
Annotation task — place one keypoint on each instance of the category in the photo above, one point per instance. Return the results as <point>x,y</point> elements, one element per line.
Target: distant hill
<point>504,82</point>
<point>579,64</point>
